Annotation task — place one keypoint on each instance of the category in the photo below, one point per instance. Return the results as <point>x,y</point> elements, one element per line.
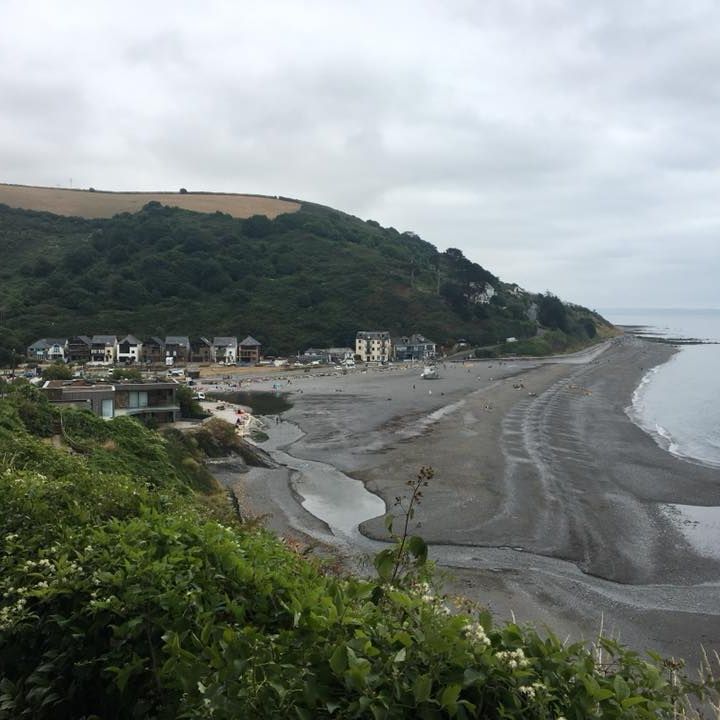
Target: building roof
<point>41,344</point>
<point>103,339</point>
<point>225,341</point>
<point>131,339</point>
<point>82,338</point>
<point>250,341</point>
<point>44,343</point>
<point>177,340</point>
<point>373,335</point>
<point>329,351</point>
<point>80,384</point>
<point>415,339</point>
<point>155,340</point>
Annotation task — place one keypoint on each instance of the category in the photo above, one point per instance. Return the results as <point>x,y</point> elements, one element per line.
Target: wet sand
<point>548,502</point>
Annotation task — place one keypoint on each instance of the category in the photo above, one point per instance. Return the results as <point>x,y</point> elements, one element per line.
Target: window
<point>106,409</point>
<point>137,399</point>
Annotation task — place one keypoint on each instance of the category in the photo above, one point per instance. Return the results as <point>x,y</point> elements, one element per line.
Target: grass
<point>104,204</point>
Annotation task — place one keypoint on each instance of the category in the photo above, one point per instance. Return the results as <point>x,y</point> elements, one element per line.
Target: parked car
<point>199,396</point>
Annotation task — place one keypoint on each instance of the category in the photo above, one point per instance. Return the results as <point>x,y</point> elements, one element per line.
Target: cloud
<point>561,145</point>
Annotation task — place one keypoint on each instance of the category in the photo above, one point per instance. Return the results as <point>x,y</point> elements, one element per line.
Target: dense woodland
<point>310,278</point>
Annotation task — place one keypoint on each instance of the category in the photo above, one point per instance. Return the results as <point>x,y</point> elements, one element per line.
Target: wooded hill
<point>308,278</point>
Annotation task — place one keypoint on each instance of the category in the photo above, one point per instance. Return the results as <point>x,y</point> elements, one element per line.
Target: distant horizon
<point>627,308</point>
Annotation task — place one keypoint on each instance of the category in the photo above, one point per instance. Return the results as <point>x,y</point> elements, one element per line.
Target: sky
<point>566,146</point>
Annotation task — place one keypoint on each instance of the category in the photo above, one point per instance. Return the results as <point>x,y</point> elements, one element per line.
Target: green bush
<point>57,371</point>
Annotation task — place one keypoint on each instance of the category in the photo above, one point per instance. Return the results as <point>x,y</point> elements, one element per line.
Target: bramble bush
<point>121,597</point>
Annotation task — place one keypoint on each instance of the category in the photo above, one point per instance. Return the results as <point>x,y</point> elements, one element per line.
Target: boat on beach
<point>430,372</point>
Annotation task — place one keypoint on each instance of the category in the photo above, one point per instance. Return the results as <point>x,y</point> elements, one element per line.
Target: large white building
<point>373,346</point>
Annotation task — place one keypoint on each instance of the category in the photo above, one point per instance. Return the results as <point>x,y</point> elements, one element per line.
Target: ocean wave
<point>638,413</point>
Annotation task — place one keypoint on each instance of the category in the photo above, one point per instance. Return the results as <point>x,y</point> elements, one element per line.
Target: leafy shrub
<point>217,438</point>
<point>57,371</point>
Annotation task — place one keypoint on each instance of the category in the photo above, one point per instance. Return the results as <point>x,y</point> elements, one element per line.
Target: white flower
<point>476,633</point>
<point>527,691</point>
<point>512,658</point>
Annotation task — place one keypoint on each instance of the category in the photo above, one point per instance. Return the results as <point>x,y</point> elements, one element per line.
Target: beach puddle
<point>340,501</point>
<point>335,498</point>
<point>700,525</point>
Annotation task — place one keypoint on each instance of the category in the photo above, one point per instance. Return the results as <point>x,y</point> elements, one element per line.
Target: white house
<point>129,350</point>
<point>48,349</point>
<point>225,350</point>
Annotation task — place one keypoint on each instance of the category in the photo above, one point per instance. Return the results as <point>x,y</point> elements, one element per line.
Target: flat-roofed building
<point>373,346</point>
<point>155,401</point>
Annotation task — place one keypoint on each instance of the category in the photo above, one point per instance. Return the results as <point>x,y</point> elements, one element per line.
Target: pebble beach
<point>548,503</point>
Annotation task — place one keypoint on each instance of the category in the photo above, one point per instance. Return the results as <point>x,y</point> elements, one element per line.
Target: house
<point>129,350</point>
<point>330,355</point>
<point>200,350</point>
<point>177,347</point>
<point>413,347</point>
<point>51,349</point>
<point>103,349</point>
<point>78,349</point>
<point>153,350</point>
<point>249,350</point>
<point>373,346</point>
<point>147,400</point>
<point>225,350</point>
<point>155,401</point>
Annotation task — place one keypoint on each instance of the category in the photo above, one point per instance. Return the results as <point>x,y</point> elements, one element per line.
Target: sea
<point>678,403</point>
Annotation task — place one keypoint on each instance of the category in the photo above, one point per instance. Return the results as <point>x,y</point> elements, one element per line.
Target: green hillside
<point>310,278</point>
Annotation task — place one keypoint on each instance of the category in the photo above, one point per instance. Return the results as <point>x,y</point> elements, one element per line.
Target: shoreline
<point>554,467</point>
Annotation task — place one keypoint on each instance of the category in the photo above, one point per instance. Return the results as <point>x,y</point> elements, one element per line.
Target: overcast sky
<point>571,146</point>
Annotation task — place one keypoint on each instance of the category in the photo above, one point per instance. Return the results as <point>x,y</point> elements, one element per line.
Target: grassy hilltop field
<point>292,274</point>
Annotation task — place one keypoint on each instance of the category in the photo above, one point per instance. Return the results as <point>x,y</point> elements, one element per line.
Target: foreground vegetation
<point>130,590</point>
<point>312,278</point>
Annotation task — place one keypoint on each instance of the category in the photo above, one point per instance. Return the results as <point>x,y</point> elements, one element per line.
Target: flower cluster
<point>476,632</point>
<point>529,691</point>
<point>12,613</point>
<point>513,658</point>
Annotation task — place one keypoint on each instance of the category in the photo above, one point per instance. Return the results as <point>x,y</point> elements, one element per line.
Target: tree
<point>552,312</point>
<point>57,371</point>
<point>189,406</point>
<point>126,374</point>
